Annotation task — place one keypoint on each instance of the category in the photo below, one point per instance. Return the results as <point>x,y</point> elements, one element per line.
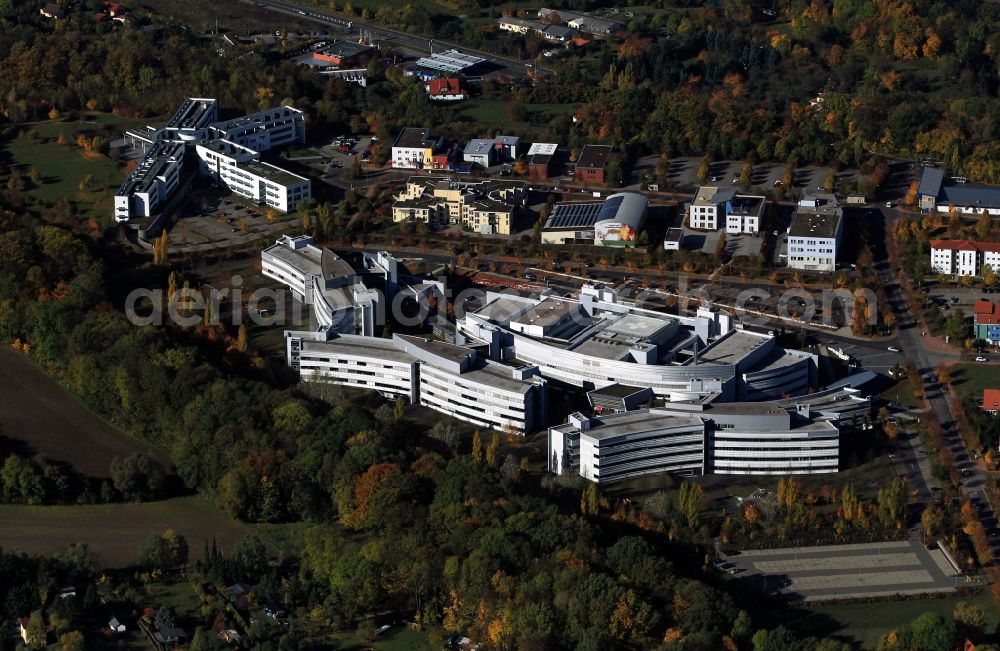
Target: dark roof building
<point>936,192</point>
<point>592,163</point>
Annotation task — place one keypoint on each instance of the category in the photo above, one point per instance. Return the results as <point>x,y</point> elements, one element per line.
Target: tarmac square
<point>844,571</point>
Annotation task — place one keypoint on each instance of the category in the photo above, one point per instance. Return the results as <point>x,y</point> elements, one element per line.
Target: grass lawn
<point>493,112</point>
<point>398,638</point>
<point>116,531</point>
<point>902,392</point>
<point>63,167</point>
<point>866,623</point>
<point>971,379</point>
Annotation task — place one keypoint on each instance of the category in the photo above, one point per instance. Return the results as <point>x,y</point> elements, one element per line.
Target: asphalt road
<point>909,339</point>
<point>418,43</point>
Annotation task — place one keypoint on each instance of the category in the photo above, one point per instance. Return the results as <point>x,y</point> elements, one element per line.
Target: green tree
<point>21,481</point>
<point>138,477</point>
<point>154,553</point>
<point>956,328</point>
<point>932,632</point>
<point>249,559</point>
<point>200,641</point>
<point>71,641</point>
<point>742,626</point>
<point>164,618</point>
<point>35,631</point>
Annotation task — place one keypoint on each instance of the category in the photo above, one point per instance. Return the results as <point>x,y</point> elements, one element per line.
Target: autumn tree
<point>689,504</point>
<point>493,450</point>
<point>983,226</point>
<point>703,168</point>
<point>477,446</point>
<point>589,499</point>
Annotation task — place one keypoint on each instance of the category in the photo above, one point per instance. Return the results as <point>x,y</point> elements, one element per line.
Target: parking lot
<point>220,219</point>
<point>848,571</point>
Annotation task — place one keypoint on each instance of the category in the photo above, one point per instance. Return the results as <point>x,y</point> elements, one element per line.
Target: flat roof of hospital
<point>637,421</point>
<point>444,350</point>
<point>731,348</point>
<point>368,346</point>
<point>500,376</point>
<point>548,312</point>
<point>502,309</point>
<point>304,259</point>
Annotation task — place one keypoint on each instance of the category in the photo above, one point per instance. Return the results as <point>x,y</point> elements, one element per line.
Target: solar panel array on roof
<point>574,215</point>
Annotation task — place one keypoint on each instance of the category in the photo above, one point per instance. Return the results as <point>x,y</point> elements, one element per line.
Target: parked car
<point>982,359</point>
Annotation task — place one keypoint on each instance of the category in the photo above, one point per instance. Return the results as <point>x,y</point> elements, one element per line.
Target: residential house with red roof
<point>446,89</point>
<point>964,257</point>
<point>986,321</point>
<point>991,400</point>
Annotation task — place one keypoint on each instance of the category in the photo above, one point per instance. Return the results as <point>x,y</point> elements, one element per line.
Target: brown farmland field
<point>116,531</point>
<point>39,416</point>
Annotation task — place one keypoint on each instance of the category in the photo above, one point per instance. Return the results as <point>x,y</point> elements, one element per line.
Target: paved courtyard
<point>841,571</point>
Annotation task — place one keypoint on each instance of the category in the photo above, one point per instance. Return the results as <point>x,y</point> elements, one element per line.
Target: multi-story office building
<point>228,152</point>
<point>356,361</point>
<point>450,379</point>
<point>797,436</point>
<point>611,448</point>
<point>414,149</point>
<point>151,183</point>
<point>815,234</point>
<point>240,170</point>
<point>596,341</point>
<point>713,208</point>
<point>964,257</point>
<point>484,206</point>
<point>343,299</point>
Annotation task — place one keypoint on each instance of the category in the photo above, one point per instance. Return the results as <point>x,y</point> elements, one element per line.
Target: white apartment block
<point>964,257</point>
<point>228,152</point>
<point>815,234</point>
<point>713,208</point>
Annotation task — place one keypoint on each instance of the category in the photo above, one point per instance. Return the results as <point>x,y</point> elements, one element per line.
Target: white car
<point>893,349</point>
<point>889,204</point>
<point>982,359</point>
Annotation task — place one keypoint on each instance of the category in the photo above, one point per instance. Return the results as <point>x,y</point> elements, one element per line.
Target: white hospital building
<point>228,152</point>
